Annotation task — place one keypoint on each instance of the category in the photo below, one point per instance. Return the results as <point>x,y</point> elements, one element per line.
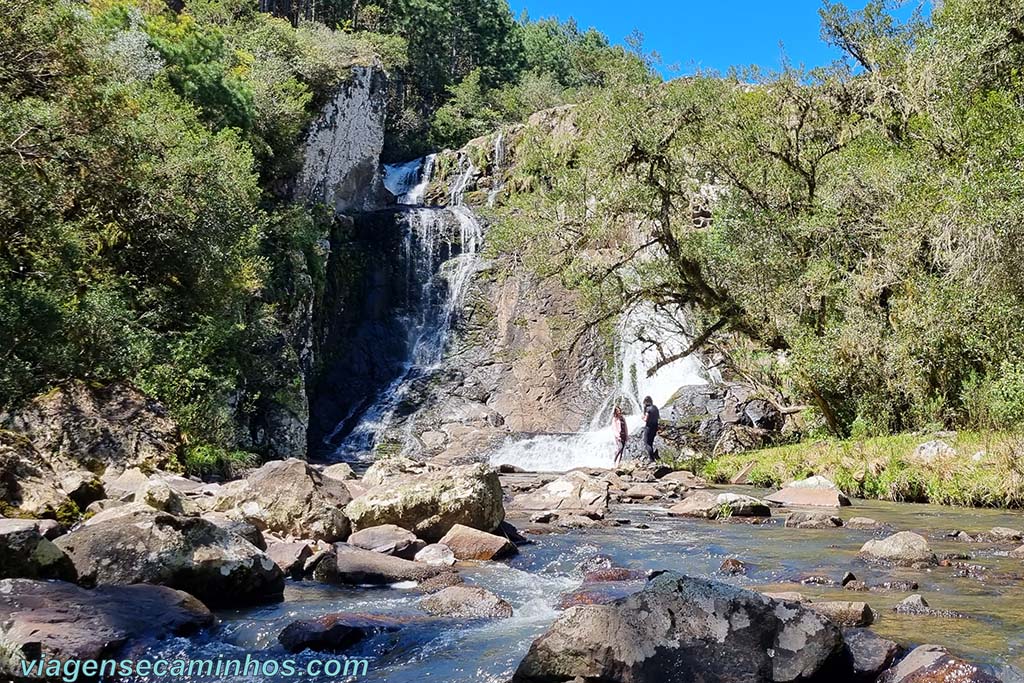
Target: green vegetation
<point>986,471</point>
<point>142,237</point>
<point>864,255</point>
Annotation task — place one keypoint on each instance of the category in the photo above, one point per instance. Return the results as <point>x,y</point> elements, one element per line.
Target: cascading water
<point>440,248</point>
<point>646,338</point>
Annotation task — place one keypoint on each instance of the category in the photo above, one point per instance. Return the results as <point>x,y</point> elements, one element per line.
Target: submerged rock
<point>188,553</point>
<point>903,548</point>
<point>932,663</point>
<point>862,523</point>
<point>60,621</point>
<point>347,564</point>
<point>573,493</point>
<point>290,498</point>
<point>430,504</point>
<point>25,553</point>
<point>685,629</point>
<point>472,544</point>
<point>813,520</point>
<point>711,505</point>
<point>335,632</point>
<point>466,601</point>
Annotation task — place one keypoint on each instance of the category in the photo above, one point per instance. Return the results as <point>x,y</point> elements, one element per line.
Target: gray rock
<point>1001,533</point>
<point>291,557</point>
<point>290,498</point>
<point>862,523</point>
<point>158,494</point>
<point>928,452</point>
<point>187,553</point>
<point>934,663</point>
<point>437,555</point>
<point>685,629</point>
<point>814,491</point>
<point>573,493</point>
<point>28,484</point>
<point>83,487</point>
<point>847,614</point>
<point>813,520</point>
<point>871,653</point>
<point>25,553</point>
<point>83,426</point>
<point>903,548</point>
<point>50,528</point>
<point>466,601</point>
<point>60,621</point>
<point>712,505</point>
<point>388,539</point>
<point>347,564</point>
<point>431,503</point>
<point>238,527</point>
<point>340,471</point>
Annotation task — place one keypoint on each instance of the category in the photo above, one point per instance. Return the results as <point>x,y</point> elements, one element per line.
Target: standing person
<point>651,418</point>
<point>621,433</point>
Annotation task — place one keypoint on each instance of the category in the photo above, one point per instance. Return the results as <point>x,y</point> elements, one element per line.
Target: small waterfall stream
<point>440,250</point>
<point>645,337</point>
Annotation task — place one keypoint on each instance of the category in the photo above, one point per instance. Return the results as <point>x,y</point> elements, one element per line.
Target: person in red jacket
<point>621,433</point>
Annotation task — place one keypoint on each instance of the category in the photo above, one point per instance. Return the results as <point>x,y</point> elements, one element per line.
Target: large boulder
<point>388,539</point>
<point>28,484</point>
<point>60,621</point>
<point>82,425</point>
<point>289,498</point>
<point>712,505</point>
<point>903,548</point>
<point>871,653</point>
<point>347,564</point>
<point>573,493</point>
<point>685,629</point>
<point>466,601</point>
<point>187,553</point>
<point>934,663</point>
<point>473,544</point>
<point>725,417</point>
<point>431,503</point>
<point>25,553</point>
<point>811,492</point>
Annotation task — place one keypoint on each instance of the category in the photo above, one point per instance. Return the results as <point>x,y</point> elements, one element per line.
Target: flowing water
<point>647,338</point>
<point>534,581</point>
<point>441,247</point>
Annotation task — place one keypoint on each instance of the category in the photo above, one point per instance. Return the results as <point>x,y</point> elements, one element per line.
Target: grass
<point>986,471</point>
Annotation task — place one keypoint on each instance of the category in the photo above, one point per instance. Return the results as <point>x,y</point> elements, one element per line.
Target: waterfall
<point>440,249</point>
<point>645,337</point>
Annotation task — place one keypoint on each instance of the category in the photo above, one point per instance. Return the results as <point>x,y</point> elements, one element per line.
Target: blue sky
<point>713,34</point>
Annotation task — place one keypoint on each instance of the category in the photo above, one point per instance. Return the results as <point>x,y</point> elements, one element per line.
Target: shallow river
<point>533,582</point>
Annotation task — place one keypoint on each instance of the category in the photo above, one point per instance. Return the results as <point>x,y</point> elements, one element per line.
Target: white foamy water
<point>409,181</point>
<point>646,338</point>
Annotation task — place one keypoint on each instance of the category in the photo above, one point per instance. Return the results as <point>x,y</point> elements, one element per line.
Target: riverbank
<point>970,469</point>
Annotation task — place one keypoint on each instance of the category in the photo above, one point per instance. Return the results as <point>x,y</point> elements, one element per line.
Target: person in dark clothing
<point>651,418</point>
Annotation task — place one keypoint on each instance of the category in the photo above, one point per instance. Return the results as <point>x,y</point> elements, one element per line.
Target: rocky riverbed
<point>462,574</point>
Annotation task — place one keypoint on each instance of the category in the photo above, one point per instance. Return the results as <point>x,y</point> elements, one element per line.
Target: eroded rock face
<point>79,425</point>
<point>904,548</point>
<point>62,621</point>
<point>684,629</point>
<point>466,601</point>
<point>720,418</point>
<point>27,481</point>
<point>430,504</point>
<point>187,553</point>
<point>575,492</point>
<point>342,157</point>
<point>25,553</point>
<point>290,498</point>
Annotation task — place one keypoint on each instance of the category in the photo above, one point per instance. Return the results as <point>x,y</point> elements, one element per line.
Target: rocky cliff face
<point>342,160</point>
